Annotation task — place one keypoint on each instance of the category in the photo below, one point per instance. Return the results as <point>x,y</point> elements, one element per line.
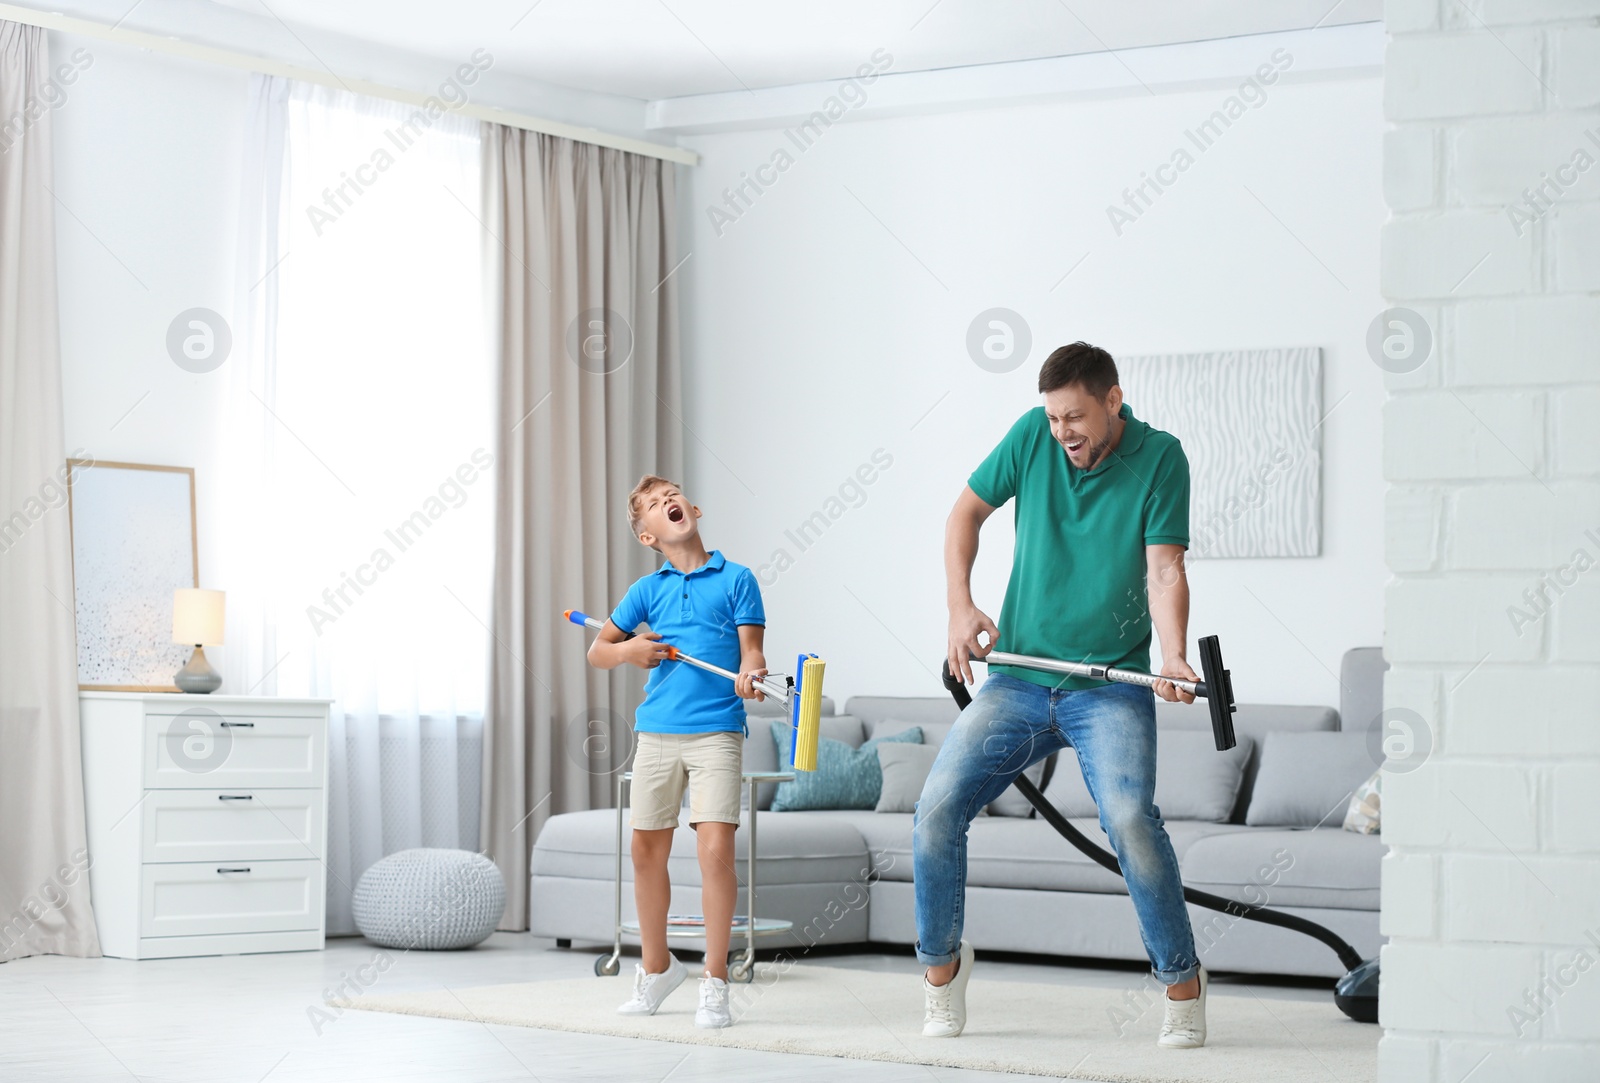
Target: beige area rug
<point>1036,1029</point>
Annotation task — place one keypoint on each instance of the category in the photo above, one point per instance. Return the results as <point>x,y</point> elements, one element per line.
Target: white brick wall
<point>1467,253</point>
<point>1533,713</point>
<point>1411,528</point>
<point>1533,341</point>
<point>1578,67</point>
<point>1575,814</point>
<point>1496,162</point>
<point>1577,437</point>
<point>1463,434</point>
<point>1423,75</point>
<point>1530,524</point>
<point>1577,230</point>
<point>1491,891</point>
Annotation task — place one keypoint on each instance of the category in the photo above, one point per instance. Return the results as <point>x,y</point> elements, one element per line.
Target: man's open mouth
<point>675,514</point>
<point>1075,446</point>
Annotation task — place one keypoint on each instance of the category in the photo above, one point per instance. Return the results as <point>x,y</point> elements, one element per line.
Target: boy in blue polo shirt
<point>691,730</point>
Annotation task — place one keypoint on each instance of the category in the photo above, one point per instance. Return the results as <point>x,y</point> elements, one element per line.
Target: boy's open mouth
<point>675,514</point>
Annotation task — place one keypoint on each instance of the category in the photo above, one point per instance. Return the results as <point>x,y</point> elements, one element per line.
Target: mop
<point>802,693</point>
<point>1355,994</point>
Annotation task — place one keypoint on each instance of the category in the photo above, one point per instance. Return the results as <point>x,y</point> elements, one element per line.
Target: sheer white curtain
<point>361,472</point>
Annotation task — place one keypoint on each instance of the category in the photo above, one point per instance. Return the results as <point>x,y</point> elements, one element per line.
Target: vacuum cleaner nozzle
<point>1218,692</point>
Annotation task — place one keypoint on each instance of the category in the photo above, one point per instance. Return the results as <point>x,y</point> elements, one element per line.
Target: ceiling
<point>652,49</point>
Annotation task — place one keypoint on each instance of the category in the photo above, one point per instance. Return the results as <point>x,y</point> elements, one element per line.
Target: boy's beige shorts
<point>710,764</point>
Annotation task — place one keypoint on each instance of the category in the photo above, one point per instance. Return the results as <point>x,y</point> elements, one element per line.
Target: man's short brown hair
<point>1090,367</point>
<point>636,498</point>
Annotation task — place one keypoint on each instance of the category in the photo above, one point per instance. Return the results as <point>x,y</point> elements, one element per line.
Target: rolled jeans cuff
<point>935,960</point>
<point>1176,977</point>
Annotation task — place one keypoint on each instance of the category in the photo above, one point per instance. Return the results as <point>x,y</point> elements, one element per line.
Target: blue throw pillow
<point>845,777</point>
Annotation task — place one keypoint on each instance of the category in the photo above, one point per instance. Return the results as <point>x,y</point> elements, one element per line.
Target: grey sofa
<point>844,876</point>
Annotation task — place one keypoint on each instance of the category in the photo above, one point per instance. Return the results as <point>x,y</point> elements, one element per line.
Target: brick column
<point>1491,892</point>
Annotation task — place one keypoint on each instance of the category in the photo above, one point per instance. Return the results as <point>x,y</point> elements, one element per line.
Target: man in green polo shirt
<point>1102,522</point>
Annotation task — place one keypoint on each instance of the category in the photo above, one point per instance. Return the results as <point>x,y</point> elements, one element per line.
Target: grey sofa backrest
<point>874,709</point>
<point>1361,687</point>
<point>773,708</point>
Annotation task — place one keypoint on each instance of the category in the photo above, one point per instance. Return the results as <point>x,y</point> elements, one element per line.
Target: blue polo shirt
<point>698,612</point>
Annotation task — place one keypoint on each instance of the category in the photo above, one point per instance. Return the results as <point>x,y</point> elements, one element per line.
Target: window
<point>382,469</point>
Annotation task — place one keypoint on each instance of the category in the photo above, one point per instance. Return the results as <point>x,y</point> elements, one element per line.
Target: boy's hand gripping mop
<point>802,692</point>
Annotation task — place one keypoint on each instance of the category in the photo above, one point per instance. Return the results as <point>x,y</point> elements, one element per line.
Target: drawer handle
<point>245,869</point>
<point>243,725</point>
<point>235,797</point>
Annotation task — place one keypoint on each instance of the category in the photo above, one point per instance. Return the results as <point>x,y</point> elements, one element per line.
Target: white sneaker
<point>944,1013</point>
<point>1185,1024</point>
<point>649,990</point>
<point>713,1010</point>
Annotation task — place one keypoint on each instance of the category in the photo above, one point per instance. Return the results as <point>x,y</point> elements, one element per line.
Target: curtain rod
<point>244,61</point>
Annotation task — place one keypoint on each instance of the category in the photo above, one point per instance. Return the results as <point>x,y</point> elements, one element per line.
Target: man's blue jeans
<point>1011,724</point>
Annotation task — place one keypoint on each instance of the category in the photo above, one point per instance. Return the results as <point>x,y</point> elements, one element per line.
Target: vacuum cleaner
<point>1355,994</point>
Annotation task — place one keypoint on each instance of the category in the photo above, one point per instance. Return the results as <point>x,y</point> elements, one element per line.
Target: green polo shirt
<point>1077,589</point>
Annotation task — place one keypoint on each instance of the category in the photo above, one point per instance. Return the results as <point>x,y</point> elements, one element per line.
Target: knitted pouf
<point>429,899</point>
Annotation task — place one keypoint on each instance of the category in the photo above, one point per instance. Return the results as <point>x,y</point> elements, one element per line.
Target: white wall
<point>831,316</point>
<point>1490,889</point>
<point>147,159</point>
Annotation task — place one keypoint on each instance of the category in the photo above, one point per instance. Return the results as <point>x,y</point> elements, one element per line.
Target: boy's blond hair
<point>636,499</point>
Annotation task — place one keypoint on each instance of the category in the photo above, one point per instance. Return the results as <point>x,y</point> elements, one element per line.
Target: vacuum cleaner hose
<point>1348,956</point>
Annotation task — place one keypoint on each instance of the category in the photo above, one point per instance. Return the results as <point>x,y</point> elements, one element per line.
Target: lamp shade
<point>197,616</point>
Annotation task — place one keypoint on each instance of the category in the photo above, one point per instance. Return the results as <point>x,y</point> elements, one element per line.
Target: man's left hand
<point>1176,667</point>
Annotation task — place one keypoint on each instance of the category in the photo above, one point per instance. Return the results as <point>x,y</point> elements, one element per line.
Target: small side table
<point>744,970</point>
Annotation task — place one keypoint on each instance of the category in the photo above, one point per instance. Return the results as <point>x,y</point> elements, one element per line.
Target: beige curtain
<point>588,401</point>
<point>44,884</point>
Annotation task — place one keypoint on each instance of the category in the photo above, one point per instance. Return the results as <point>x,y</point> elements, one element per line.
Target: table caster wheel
<point>607,966</point>
<point>738,971</point>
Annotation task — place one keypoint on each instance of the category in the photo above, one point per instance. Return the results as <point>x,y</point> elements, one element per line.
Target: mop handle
<point>1099,673</point>
<point>769,685</point>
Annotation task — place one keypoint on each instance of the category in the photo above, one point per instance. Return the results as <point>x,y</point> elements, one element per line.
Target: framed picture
<point>133,544</point>
<point>1251,424</point>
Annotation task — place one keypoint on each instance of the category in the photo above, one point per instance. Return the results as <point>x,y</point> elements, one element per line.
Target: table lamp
<point>197,619</point>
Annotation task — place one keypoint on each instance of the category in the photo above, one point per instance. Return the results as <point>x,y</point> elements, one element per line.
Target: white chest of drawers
<point>208,822</point>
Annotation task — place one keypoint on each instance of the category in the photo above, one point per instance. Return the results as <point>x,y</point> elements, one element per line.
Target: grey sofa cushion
<point>1324,867</point>
<point>1306,779</point>
<point>1029,854</point>
<point>905,769</point>
<point>933,733</point>
<point>887,836</point>
<point>1252,720</point>
<point>761,751</point>
<point>1003,852</point>
<point>792,849</point>
<point>1010,803</point>
<point>1196,782</point>
<point>1193,780</point>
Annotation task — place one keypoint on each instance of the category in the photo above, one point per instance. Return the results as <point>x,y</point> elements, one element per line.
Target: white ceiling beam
<point>227,58</point>
<point>1354,49</point>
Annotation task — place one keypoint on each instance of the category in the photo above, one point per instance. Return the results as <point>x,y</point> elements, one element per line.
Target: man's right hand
<point>965,625</point>
<point>644,650</point>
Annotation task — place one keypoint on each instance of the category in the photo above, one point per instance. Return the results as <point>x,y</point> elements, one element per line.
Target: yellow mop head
<point>808,713</point>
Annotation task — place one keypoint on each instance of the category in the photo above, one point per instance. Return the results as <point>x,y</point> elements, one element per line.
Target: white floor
<point>249,1018</point>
